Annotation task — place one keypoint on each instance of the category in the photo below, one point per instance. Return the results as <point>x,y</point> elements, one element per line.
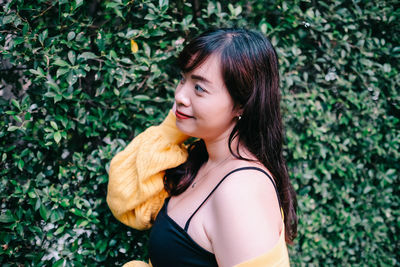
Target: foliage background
<point>74,91</point>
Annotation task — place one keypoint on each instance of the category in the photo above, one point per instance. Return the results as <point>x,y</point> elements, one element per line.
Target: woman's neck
<point>218,150</point>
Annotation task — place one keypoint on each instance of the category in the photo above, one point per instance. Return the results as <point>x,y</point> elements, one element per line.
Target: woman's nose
<point>181,96</point>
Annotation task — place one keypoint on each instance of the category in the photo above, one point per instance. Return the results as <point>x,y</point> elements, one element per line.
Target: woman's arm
<point>247,221</point>
<point>135,187</point>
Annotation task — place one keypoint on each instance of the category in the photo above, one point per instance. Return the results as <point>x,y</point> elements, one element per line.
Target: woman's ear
<point>239,112</point>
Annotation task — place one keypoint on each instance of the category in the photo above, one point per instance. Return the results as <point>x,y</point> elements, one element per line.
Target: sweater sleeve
<point>135,188</point>
<point>276,257</point>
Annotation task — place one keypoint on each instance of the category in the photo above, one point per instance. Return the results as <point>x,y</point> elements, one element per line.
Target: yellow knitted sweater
<point>135,187</point>
<point>136,190</point>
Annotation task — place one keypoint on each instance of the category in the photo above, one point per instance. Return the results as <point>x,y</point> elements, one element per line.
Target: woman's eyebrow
<point>200,78</point>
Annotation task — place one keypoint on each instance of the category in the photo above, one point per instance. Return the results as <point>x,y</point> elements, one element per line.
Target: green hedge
<point>74,92</point>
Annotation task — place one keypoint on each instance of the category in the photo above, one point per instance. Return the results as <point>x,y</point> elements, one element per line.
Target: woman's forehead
<point>197,59</point>
<point>209,70</point>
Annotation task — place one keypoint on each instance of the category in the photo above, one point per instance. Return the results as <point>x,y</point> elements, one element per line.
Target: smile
<point>182,116</point>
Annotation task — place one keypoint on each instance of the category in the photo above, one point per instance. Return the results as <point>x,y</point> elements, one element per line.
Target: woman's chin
<point>184,129</point>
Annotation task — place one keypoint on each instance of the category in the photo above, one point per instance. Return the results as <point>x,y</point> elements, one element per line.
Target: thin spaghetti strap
<point>215,188</point>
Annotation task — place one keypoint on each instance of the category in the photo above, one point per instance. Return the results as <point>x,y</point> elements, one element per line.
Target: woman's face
<point>204,108</point>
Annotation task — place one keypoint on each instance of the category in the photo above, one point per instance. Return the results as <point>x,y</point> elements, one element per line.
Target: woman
<point>229,202</point>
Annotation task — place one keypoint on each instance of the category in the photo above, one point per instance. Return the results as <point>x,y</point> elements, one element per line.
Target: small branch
<point>23,19</point>
<point>144,80</point>
<point>41,14</point>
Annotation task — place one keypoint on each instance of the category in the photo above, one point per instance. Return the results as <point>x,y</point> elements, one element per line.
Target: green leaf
<point>71,57</point>
<point>76,212</point>
<point>141,97</point>
<point>8,19</point>
<point>38,72</point>
<point>28,116</point>
<point>238,10</point>
<point>53,85</point>
<point>12,128</point>
<point>163,4</point>
<point>44,212</point>
<point>7,217</point>
<point>21,164</point>
<point>101,245</point>
<point>37,204</point>
<point>61,71</point>
<point>264,28</point>
<point>59,263</point>
<point>119,13</point>
<point>54,125</point>
<point>386,67</point>
<point>78,3</point>
<point>112,4</point>
<point>60,230</point>
<point>57,98</point>
<point>231,9</point>
<point>87,55</point>
<point>71,36</point>
<point>126,60</point>
<point>65,202</point>
<point>15,103</point>
<point>71,78</point>
<point>50,94</point>
<point>43,36</point>
<point>81,223</point>
<point>113,54</point>
<point>57,137</point>
<point>150,17</point>
<point>17,118</point>
<point>61,63</point>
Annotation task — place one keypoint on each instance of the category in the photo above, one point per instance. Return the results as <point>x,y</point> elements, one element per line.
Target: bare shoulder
<point>247,186</point>
<point>246,217</point>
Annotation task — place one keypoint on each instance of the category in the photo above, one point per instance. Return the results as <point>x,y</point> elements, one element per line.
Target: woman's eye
<point>198,88</point>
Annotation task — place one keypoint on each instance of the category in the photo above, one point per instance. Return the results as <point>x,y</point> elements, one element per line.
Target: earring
<point>239,117</point>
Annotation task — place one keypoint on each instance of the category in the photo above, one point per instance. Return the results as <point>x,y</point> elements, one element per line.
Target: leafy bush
<point>80,79</point>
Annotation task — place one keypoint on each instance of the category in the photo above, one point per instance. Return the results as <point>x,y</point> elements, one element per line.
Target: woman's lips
<point>182,116</point>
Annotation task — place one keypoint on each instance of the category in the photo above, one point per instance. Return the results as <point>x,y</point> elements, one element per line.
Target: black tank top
<point>170,244</point>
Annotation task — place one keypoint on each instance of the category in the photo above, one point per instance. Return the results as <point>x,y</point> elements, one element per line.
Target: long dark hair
<point>249,67</point>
